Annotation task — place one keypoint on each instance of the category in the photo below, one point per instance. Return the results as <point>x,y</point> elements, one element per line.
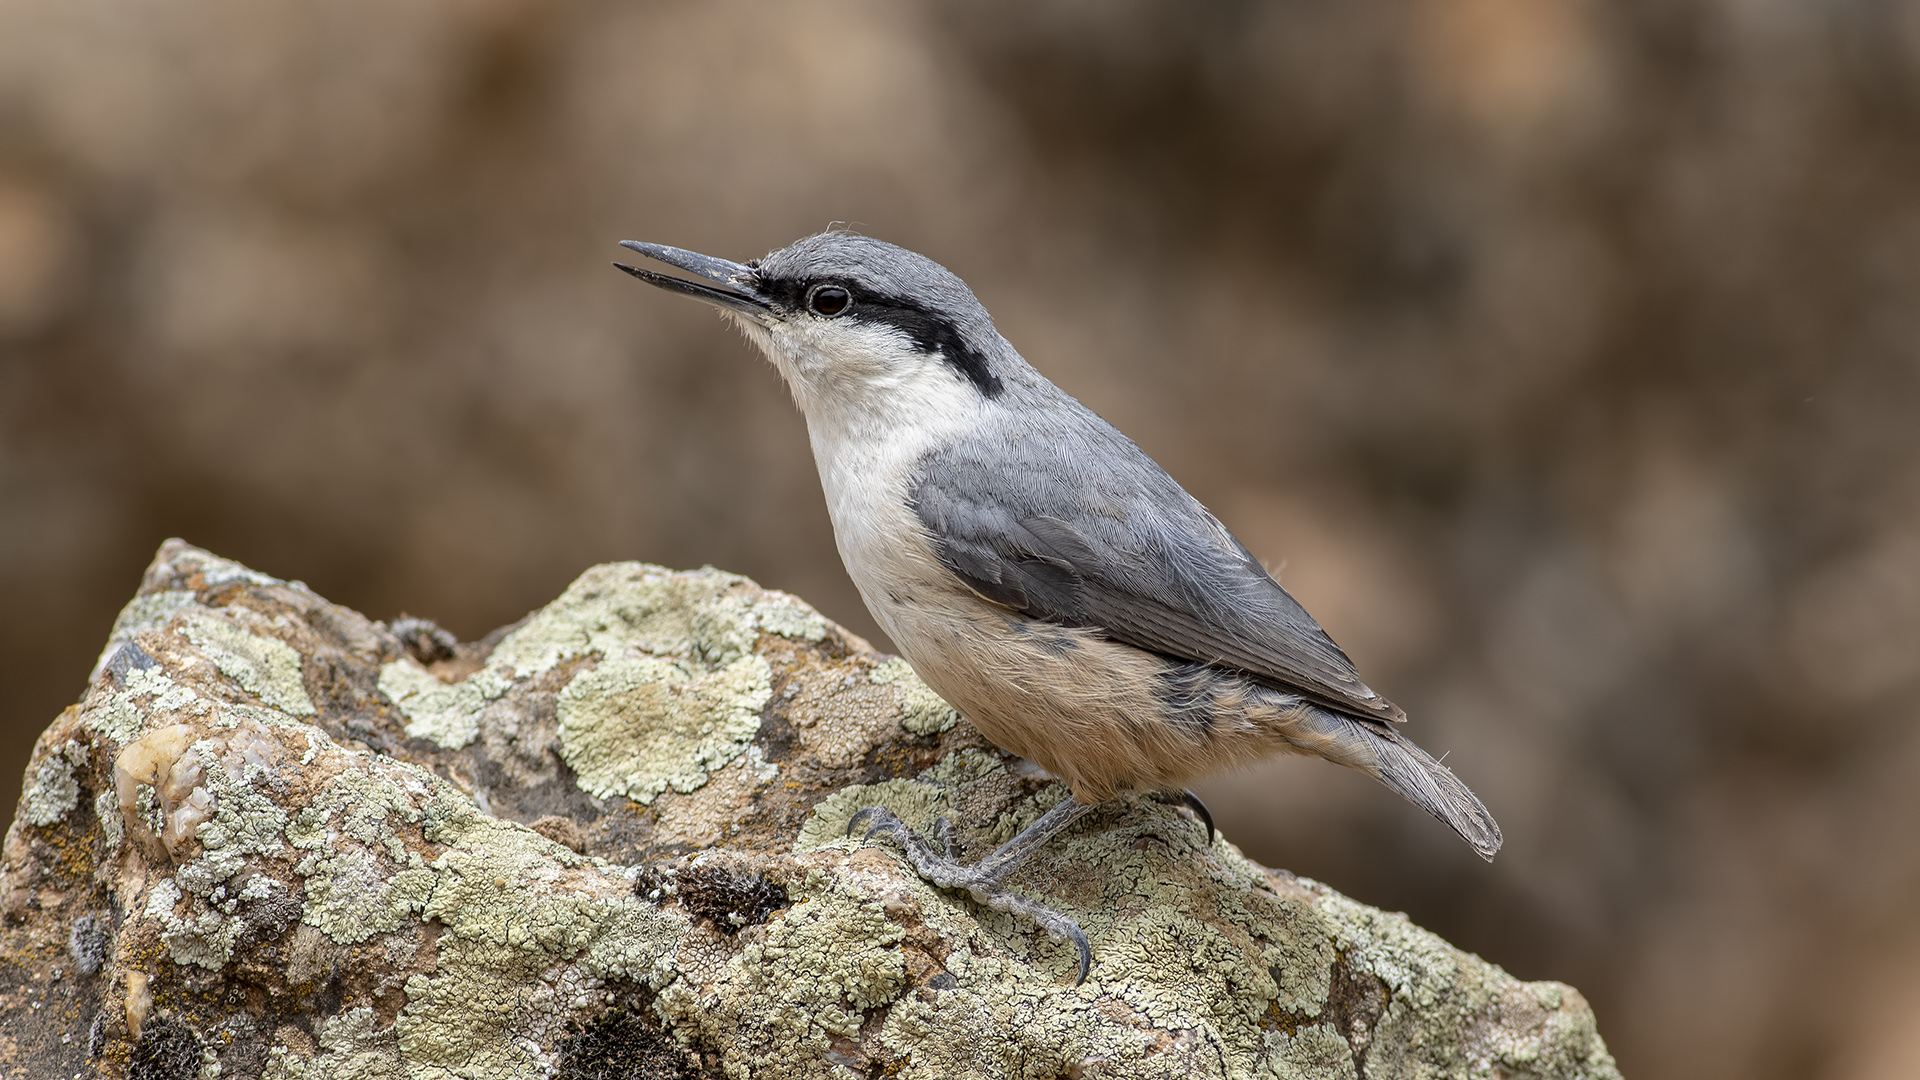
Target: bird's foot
<point>982,879</point>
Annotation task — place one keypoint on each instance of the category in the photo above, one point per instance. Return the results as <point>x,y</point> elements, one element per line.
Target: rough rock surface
<point>278,839</point>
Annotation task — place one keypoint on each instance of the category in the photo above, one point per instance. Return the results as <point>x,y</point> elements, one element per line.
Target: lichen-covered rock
<point>608,841</point>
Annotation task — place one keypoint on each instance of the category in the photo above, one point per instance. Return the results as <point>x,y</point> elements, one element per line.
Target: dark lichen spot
<point>1356,999</point>
<point>652,884</point>
<point>326,998</point>
<point>777,738</point>
<point>167,1050</point>
<point>730,900</point>
<point>88,941</point>
<point>267,918</point>
<point>128,658</point>
<point>622,1045</point>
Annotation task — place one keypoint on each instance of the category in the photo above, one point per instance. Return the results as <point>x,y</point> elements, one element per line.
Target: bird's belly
<point>1103,716</point>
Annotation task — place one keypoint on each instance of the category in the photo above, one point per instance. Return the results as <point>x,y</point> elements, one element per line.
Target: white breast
<point>874,407</point>
<point>866,464</point>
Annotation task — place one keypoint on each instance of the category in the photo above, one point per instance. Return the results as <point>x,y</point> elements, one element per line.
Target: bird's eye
<point>829,300</point>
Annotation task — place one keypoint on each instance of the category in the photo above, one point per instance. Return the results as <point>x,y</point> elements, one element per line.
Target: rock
<point>607,841</point>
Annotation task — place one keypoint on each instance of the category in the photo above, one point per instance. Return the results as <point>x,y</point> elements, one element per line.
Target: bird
<point>1036,568</point>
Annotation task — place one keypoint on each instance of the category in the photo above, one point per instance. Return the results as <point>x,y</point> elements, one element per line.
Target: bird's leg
<point>983,879</point>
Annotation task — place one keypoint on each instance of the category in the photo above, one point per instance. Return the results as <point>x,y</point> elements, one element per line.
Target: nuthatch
<point>1035,567</point>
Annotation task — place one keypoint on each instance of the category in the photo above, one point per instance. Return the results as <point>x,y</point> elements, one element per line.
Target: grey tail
<point>1381,752</point>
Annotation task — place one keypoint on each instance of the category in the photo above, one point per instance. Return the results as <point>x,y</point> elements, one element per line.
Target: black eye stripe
<point>930,332</point>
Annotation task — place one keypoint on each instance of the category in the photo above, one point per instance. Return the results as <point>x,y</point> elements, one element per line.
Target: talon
<point>1086,953</point>
<point>859,816</point>
<point>1200,810</point>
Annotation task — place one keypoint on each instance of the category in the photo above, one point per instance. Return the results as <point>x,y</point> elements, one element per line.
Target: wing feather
<point>1126,551</point>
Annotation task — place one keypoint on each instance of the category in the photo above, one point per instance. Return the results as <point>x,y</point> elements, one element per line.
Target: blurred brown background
<point>1563,354</point>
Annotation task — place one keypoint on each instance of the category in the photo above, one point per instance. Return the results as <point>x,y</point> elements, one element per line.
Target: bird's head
<point>853,322</point>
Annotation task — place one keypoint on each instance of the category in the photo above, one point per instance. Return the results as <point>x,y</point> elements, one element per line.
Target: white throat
<point>874,406</point>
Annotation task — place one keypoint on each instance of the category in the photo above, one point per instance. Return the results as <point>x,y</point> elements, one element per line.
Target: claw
<point>1200,810</point>
<point>1086,954</point>
<point>859,816</point>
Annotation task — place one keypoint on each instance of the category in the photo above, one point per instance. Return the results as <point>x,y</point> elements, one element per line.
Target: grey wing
<point>1083,529</point>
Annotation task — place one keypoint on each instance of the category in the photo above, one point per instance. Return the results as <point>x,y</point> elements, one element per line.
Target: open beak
<point>734,287</point>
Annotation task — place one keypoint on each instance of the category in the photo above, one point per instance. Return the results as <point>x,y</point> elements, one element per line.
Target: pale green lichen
<point>265,667</point>
<point>637,725</point>
<point>915,802</point>
<point>122,717</point>
<point>788,616</point>
<point>116,718</point>
<point>360,879</point>
<point>619,611</point>
<point>530,930</point>
<point>351,895</point>
<point>228,715</point>
<point>919,801</point>
<point>1311,1053</point>
<point>707,615</point>
<point>52,791</point>
<point>757,766</point>
<point>1300,961</point>
<point>514,906</point>
<point>922,712</point>
<point>242,824</point>
<point>106,809</point>
<point>350,1045</point>
<point>1451,1012</point>
<point>965,766</point>
<point>822,965</point>
<point>448,714</point>
<point>202,935</point>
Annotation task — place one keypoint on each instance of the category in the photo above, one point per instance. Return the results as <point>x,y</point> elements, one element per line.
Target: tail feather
<point>1383,753</point>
